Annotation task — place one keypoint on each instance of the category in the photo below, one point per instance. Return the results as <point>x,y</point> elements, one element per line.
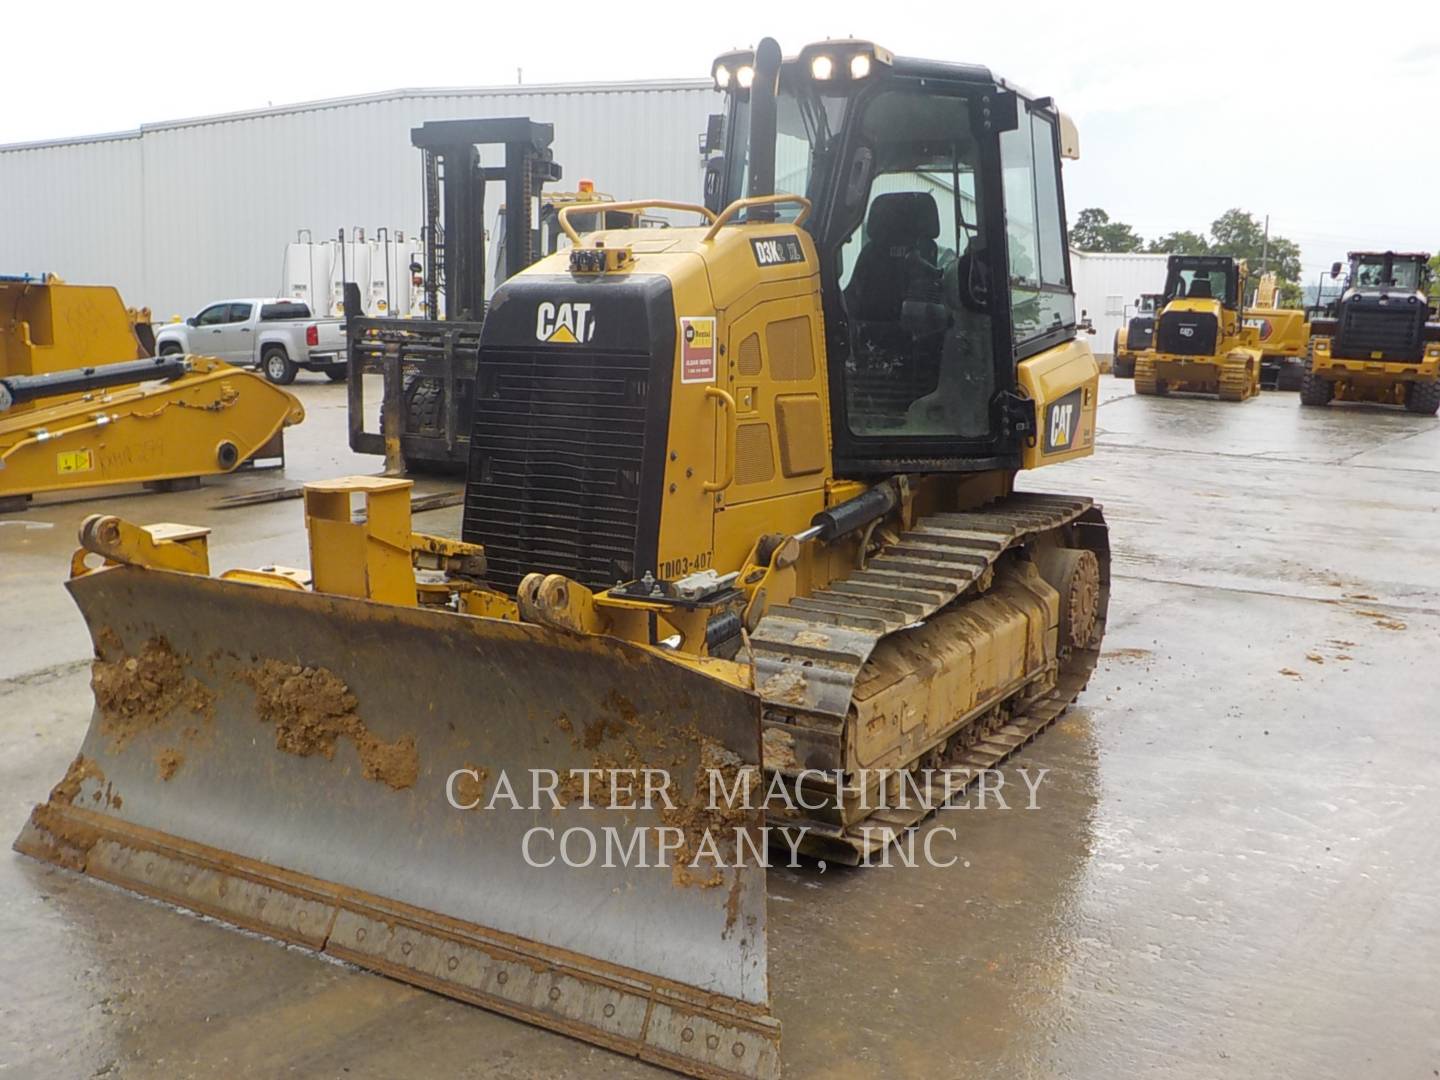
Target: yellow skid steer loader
<point>740,516</point>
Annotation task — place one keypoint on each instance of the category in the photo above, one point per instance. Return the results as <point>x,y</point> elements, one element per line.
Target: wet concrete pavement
<point>1234,869</point>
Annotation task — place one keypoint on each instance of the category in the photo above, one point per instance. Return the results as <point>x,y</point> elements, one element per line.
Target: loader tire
<point>1423,398</point>
<point>1290,377</point>
<point>1123,369</point>
<point>1315,390</point>
<point>277,366</point>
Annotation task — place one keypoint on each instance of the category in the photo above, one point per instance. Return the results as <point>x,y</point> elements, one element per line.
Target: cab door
<point>208,337</point>
<point>237,335</point>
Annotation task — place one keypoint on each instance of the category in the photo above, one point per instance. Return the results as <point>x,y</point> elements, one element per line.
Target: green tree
<point>1094,231</point>
<point>1182,242</point>
<point>1238,234</point>
<point>1291,295</point>
<point>1435,274</point>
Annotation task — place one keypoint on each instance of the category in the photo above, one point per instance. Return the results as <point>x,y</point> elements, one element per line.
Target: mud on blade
<point>279,759</point>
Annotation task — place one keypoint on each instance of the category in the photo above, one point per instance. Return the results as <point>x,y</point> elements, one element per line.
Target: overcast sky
<point>1341,148</point>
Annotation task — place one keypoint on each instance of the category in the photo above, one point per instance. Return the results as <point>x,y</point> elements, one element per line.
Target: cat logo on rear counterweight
<point>1062,421</point>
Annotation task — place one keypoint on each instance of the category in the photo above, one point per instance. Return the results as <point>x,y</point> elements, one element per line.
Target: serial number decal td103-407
<point>671,569</point>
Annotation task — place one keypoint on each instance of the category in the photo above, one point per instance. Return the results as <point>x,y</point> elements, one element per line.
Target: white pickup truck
<point>278,336</point>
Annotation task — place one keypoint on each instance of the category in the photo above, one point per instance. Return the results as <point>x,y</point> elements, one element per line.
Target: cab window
<point>214,315</point>
<point>912,275</point>
<point>1041,303</point>
<point>239,312</point>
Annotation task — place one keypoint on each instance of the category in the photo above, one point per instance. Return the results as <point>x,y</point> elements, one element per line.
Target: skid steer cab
<point>1201,344</point>
<point>1382,343</point>
<point>743,506</point>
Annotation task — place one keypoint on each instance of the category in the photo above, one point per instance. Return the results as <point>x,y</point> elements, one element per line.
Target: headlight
<point>745,76</point>
<point>822,67</point>
<point>859,65</point>
<point>722,76</point>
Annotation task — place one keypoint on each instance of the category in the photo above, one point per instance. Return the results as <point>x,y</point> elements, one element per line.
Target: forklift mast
<point>427,366</point>
<point>455,180</point>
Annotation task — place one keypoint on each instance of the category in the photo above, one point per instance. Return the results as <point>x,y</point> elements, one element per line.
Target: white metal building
<point>180,213</point>
<point>1107,284</point>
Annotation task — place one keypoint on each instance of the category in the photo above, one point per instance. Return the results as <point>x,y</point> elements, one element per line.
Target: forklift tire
<point>1315,390</point>
<point>1423,398</point>
<point>277,367</point>
<point>425,407</point>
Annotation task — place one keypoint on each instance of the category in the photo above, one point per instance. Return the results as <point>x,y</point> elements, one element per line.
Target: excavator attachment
<point>83,401</point>
<point>296,762</point>
<point>139,421</point>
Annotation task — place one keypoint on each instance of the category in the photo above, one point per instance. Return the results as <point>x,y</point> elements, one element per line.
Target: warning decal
<point>697,349</point>
<point>73,461</point>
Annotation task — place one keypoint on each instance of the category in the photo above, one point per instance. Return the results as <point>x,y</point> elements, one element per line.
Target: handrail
<point>727,403</point>
<point>600,206</point>
<point>759,200</point>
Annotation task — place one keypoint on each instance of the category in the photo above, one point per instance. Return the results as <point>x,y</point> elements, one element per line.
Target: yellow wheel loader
<point>741,514</point>
<point>1201,342</point>
<point>83,404</point>
<point>1135,336</point>
<point>1380,345</point>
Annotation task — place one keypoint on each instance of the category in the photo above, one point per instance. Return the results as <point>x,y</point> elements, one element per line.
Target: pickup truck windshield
<point>296,310</point>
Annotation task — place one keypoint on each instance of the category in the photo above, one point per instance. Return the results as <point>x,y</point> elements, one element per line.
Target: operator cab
<point>1382,312</point>
<point>1406,273</point>
<point>1203,277</point>
<point>939,223</point>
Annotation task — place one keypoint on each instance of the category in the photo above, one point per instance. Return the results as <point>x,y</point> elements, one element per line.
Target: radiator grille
<point>1187,333</point>
<point>1395,331</point>
<point>557,452</point>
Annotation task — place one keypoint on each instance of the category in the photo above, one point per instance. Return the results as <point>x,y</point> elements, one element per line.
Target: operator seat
<point>1200,289</point>
<point>902,225</point>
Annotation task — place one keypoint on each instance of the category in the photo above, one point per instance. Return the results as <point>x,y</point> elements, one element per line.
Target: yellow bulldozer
<point>84,402</point>
<point>741,512</point>
<point>1380,344</point>
<point>1201,343</point>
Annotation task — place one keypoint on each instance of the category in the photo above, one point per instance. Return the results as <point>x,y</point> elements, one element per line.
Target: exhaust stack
<point>763,127</point>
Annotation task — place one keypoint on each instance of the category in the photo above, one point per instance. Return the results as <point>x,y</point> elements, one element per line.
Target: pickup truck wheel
<point>277,367</point>
<point>337,372</point>
<point>170,348</point>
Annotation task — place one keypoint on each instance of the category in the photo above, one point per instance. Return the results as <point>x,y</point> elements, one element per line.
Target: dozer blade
<point>279,759</point>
